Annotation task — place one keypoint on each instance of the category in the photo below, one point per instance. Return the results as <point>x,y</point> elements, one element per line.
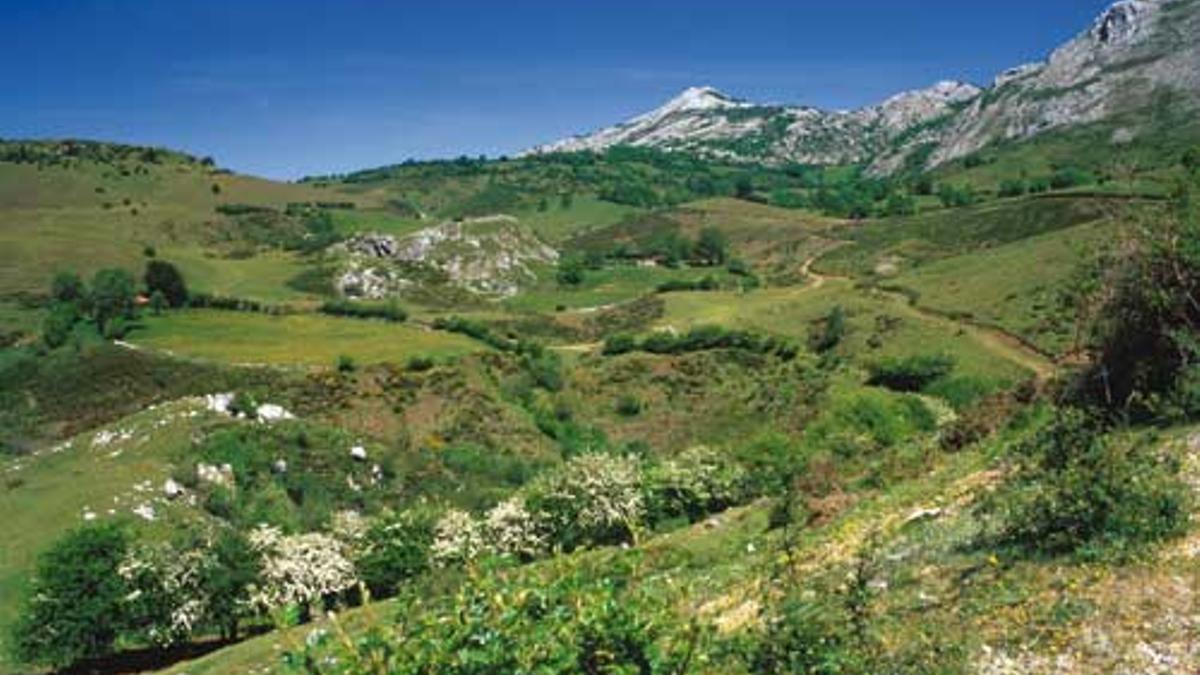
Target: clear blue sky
<point>287,88</point>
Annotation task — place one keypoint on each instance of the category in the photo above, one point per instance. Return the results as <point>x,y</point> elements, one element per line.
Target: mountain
<point>1135,53</point>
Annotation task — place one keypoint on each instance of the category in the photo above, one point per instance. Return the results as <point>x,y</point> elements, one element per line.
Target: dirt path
<point>995,340</point>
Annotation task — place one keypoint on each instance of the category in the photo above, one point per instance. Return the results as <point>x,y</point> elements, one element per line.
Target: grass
<point>304,339</point>
<point>556,224</point>
<point>908,242</point>
<point>263,277</point>
<point>55,218</point>
<point>1013,286</point>
<point>792,311</point>
<point>607,286</point>
<point>46,495</point>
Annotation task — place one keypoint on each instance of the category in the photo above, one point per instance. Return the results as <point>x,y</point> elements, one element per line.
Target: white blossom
<point>511,529</point>
<point>299,569</point>
<point>594,496</point>
<point>457,538</point>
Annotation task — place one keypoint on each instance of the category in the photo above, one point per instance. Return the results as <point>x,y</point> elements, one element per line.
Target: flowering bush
<point>167,598</point>
<point>591,500</point>
<point>511,529</point>
<point>299,569</point>
<point>457,538</point>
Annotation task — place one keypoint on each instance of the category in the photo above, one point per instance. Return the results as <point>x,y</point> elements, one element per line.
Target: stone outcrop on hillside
<point>491,256</point>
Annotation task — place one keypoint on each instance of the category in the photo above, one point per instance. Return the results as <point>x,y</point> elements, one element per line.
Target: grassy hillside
<point>718,435</point>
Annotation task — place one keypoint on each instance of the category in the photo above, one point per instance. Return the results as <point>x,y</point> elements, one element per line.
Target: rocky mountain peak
<point>702,98</point>
<point>1121,22</point>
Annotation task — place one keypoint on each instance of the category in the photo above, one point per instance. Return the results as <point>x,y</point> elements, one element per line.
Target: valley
<point>725,388</point>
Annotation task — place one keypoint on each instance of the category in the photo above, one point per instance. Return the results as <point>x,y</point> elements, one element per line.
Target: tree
<point>396,548</point>
<point>570,271</point>
<point>744,187</point>
<point>711,247</point>
<point>67,287</point>
<point>228,581</point>
<point>164,277</point>
<point>73,610</point>
<point>833,330</point>
<point>1140,307</point>
<point>112,296</point>
<point>58,324</point>
<point>158,302</point>
<point>900,204</point>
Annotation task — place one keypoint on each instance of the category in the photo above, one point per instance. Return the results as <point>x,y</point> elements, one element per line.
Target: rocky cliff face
<point>1134,50</point>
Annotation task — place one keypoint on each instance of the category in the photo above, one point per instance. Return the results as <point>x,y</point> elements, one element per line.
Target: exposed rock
<point>489,256</point>
<point>145,511</point>
<point>359,453</point>
<point>210,473</point>
<point>172,489</point>
<point>269,412</point>
<point>1132,51</point>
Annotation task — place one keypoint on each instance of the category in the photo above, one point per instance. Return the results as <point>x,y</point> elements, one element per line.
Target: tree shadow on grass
<point>153,658</point>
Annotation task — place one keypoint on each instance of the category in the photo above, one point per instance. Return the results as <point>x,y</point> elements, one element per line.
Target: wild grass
<point>309,340</point>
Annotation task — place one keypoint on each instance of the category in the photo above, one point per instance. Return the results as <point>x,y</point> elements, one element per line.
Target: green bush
<point>912,373</point>
<point>389,311</point>
<point>59,324</point>
<point>163,277</point>
<point>831,332</point>
<point>394,550</point>
<point>1075,489</point>
<point>500,622</point>
<point>629,405</point>
<point>73,610</point>
<point>696,483</point>
<point>621,343</point>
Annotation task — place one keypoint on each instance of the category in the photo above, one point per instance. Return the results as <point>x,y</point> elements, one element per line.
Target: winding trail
<point>995,340</point>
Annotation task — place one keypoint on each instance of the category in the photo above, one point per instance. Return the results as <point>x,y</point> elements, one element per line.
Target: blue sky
<point>285,89</point>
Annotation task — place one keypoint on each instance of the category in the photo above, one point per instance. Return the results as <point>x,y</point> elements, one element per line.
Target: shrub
<point>1139,306</point>
<point>961,391</point>
<point>396,548</point>
<point>419,364</point>
<point>59,324</point>
<point>570,271</point>
<point>67,287</point>
<point>73,610</point>
<point>629,405</point>
<point>1074,489</point>
<point>499,622</point>
<point>1013,188</point>
<point>831,332</point>
<point>345,364</point>
<point>621,343</point>
<point>163,277</point>
<point>591,500</point>
<point>300,569</point>
<point>360,310</point>
<point>694,484</point>
<point>912,373</point>
<point>457,539</point>
<point>112,296</point>
<point>711,247</point>
<point>513,530</point>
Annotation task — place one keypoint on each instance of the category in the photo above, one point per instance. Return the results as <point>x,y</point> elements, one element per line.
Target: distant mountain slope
<point>1135,51</point>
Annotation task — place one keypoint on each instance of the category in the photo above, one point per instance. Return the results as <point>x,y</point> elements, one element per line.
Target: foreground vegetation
<point>720,435</point>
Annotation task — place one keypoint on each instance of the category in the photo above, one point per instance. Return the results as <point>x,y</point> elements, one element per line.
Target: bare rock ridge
<point>1134,50</point>
<point>492,256</point>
